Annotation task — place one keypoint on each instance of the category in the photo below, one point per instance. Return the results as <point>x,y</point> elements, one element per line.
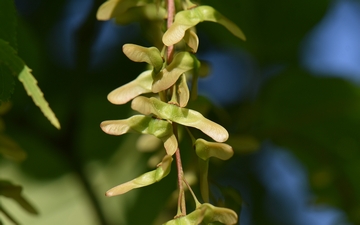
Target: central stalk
<point>170,53</point>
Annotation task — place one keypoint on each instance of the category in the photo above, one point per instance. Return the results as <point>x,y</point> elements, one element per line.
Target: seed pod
<point>182,62</point>
<point>183,93</point>
<point>183,116</point>
<point>192,40</point>
<point>190,18</point>
<point>146,179</point>
<point>113,8</point>
<point>205,150</point>
<point>128,11</point>
<point>206,214</point>
<point>139,53</point>
<point>148,12</point>
<point>141,85</point>
<point>144,125</point>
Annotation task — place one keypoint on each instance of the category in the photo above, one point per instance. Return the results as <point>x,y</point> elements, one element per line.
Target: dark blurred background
<point>289,96</point>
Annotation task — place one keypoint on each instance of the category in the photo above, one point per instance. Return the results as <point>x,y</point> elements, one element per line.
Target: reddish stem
<point>170,19</point>
<point>170,54</point>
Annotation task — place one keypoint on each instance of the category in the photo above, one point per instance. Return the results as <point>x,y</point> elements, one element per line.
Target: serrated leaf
<point>182,62</point>
<point>190,18</point>
<point>8,22</point>
<point>146,179</point>
<point>9,58</point>
<point>183,116</point>
<point>30,85</point>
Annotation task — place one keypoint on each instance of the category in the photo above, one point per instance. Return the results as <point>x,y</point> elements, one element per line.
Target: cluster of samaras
<point>168,83</point>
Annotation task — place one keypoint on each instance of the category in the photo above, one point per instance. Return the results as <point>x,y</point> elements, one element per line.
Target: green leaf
<point>9,58</point>
<point>10,190</point>
<point>146,179</point>
<point>183,116</point>
<point>144,125</point>
<point>182,62</point>
<point>190,18</point>
<point>30,85</point>
<point>139,53</point>
<point>8,22</point>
